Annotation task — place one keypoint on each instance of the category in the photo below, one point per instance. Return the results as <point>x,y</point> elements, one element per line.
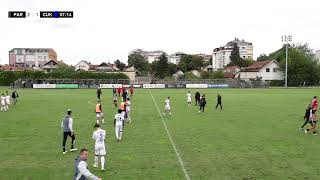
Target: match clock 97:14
<point>41,14</point>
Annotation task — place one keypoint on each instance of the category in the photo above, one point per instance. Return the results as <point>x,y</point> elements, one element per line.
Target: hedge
<point>8,77</point>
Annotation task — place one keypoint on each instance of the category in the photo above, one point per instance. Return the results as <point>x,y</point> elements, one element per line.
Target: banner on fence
<point>196,85</point>
<point>67,86</point>
<point>175,86</point>
<point>110,86</point>
<point>44,86</point>
<point>218,85</point>
<point>153,86</point>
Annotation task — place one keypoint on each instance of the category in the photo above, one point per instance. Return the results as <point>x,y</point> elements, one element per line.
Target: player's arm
<point>114,122</point>
<point>100,107</point>
<point>70,125</point>
<point>93,136</point>
<point>62,123</point>
<point>83,170</point>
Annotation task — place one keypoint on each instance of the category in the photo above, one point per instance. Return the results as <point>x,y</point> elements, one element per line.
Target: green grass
<point>255,137</point>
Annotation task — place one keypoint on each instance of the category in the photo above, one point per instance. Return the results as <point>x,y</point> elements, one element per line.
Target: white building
<point>150,56</point>
<point>31,57</point>
<point>175,58</point>
<point>82,65</point>
<point>264,70</point>
<point>221,55</point>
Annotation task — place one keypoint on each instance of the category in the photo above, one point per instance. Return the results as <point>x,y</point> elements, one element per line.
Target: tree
<point>161,67</point>
<point>138,61</point>
<point>235,56</point>
<point>190,62</point>
<point>173,68</point>
<point>120,64</point>
<point>263,57</point>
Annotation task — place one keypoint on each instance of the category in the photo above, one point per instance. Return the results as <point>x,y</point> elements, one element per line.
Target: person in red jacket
<point>119,91</point>
<point>131,91</point>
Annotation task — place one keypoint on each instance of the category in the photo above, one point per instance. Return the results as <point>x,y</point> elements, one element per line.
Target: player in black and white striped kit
<point>67,126</point>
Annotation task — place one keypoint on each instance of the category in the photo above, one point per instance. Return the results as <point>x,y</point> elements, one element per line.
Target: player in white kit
<point>7,100</point>
<point>189,99</point>
<point>99,135</point>
<point>167,108</point>
<point>128,104</point>
<point>3,103</point>
<point>118,124</point>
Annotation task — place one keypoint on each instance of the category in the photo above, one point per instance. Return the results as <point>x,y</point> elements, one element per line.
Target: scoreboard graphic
<point>41,14</point>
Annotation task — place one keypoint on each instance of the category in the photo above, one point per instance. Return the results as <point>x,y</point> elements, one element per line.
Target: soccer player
<point>313,123</point>
<point>115,100</point>
<point>124,94</point>
<point>128,104</point>
<point>131,91</point>
<point>99,93</point>
<point>119,91</point>
<point>118,124</point>
<point>123,109</point>
<point>189,99</point>
<point>197,98</point>
<point>167,108</point>
<point>99,135</point>
<point>114,91</point>
<point>14,97</point>
<point>81,171</point>
<point>219,102</point>
<point>314,104</point>
<point>3,102</point>
<point>306,116</point>
<point>67,125</point>
<point>99,112</point>
<point>7,100</point>
<point>203,103</point>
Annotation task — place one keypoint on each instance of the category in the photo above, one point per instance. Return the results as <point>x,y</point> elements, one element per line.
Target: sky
<point>106,30</point>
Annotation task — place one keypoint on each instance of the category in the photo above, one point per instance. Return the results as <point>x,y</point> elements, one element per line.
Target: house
<point>177,74</point>
<point>51,65</point>
<point>264,70</point>
<point>103,67</point>
<point>208,68</point>
<point>82,66</point>
<point>231,72</point>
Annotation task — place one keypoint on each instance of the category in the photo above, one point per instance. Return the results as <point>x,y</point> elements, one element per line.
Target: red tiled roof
<point>11,68</point>
<point>231,68</point>
<point>255,67</point>
<point>93,67</point>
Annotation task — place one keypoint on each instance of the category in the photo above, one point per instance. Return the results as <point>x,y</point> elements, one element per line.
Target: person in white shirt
<point>3,103</point>
<point>128,104</point>
<point>167,108</point>
<point>189,99</point>
<point>118,124</point>
<point>7,100</point>
<point>81,171</point>
<point>99,135</point>
<point>67,126</point>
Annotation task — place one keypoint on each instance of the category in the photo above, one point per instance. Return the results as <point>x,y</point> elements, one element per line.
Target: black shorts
<point>314,111</point>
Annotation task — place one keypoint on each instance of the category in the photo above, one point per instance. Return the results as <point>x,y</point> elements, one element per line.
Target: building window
<point>267,69</point>
<point>243,47</point>
<point>275,69</point>
<point>224,53</point>
<point>244,56</point>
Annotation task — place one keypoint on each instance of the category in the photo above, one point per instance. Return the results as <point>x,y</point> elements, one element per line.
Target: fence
<point>111,83</point>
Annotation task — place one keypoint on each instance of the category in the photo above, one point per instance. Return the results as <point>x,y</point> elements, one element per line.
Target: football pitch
<point>255,136</point>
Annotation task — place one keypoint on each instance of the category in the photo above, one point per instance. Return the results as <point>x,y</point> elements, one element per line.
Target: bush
<point>276,83</point>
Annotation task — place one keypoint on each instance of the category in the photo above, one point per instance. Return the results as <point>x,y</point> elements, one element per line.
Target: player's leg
<point>305,123</point>
<point>102,117</point>
<point>120,130</point>
<point>128,116</point>
<point>98,117</point>
<point>96,157</point>
<point>73,141</point>
<point>65,136</point>
<point>220,105</point>
<point>102,154</point>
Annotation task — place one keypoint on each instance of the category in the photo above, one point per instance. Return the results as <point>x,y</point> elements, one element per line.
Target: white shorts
<point>167,108</point>
<point>189,100</point>
<point>3,103</point>
<point>99,115</point>
<point>128,110</point>
<point>8,102</point>
<point>100,150</point>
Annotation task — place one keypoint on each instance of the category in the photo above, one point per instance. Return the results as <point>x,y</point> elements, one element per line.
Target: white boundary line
<point>172,142</point>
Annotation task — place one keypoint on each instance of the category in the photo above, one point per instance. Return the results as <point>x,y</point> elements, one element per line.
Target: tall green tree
<point>235,56</point>
<point>162,67</point>
<point>139,62</point>
<point>120,64</point>
<point>190,62</point>
<point>263,57</point>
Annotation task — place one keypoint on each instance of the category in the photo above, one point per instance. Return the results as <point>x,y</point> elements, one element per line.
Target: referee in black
<point>203,103</point>
<point>99,93</point>
<point>67,126</point>
<point>219,102</point>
